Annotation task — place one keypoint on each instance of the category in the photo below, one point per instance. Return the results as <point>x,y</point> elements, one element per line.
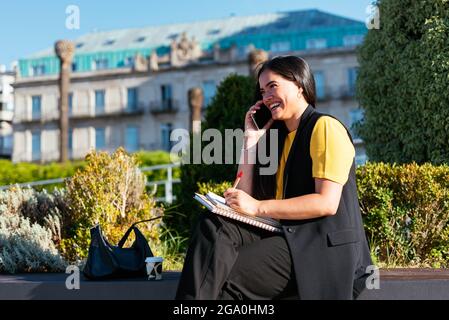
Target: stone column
<point>64,50</point>
<point>255,58</point>
<point>196,100</point>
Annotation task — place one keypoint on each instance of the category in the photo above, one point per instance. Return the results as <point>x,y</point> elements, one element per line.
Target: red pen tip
<point>240,174</point>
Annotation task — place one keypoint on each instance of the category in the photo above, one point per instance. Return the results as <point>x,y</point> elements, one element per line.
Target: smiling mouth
<point>274,106</point>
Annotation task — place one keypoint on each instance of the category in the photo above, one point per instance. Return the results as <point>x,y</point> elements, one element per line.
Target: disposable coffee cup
<point>154,268</point>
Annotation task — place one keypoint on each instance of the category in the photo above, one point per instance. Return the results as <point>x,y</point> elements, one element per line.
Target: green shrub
<point>406,213</point>
<point>27,247</point>
<point>11,173</point>
<point>109,190</point>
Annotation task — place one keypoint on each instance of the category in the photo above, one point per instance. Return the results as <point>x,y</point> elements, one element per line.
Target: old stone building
<point>131,87</point>
<point>6,112</point>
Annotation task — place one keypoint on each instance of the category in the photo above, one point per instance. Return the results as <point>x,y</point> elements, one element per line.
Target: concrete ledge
<point>410,284</point>
<point>51,286</point>
<point>395,284</point>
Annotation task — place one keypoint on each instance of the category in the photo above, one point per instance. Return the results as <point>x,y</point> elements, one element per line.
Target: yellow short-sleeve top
<point>331,150</point>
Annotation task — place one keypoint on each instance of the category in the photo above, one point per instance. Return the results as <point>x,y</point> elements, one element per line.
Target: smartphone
<point>261,117</point>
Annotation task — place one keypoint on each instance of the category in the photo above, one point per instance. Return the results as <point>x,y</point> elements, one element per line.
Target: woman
<point>323,253</point>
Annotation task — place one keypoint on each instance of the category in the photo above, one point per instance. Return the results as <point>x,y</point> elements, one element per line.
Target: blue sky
<point>27,26</point>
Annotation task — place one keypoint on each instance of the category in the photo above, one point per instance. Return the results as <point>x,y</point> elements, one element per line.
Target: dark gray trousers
<point>229,260</point>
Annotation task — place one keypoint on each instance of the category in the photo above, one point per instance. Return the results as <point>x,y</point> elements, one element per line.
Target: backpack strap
<point>125,237</point>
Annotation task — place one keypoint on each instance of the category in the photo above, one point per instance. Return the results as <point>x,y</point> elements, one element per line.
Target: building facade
<point>130,87</point>
<point>6,112</point>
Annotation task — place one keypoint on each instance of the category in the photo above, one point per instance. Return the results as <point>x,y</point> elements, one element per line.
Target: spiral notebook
<point>216,204</point>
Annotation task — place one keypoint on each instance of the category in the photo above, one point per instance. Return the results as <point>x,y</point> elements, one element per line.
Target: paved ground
<point>395,284</point>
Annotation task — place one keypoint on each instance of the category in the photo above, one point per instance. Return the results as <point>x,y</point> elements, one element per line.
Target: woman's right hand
<point>252,134</point>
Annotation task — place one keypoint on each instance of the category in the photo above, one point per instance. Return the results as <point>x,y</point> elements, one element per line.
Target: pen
<point>237,180</point>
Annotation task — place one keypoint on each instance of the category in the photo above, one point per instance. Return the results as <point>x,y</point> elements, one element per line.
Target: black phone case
<point>262,116</point>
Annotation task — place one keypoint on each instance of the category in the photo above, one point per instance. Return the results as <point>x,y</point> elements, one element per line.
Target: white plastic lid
<point>154,259</point>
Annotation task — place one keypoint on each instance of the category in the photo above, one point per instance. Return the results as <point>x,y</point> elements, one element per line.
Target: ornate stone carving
<point>65,49</point>
<point>153,61</point>
<point>255,58</point>
<point>183,50</point>
<point>140,63</point>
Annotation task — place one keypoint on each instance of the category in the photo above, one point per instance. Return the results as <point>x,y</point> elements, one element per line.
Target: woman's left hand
<point>241,201</point>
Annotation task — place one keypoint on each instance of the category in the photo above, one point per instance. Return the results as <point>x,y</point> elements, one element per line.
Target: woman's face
<point>280,95</point>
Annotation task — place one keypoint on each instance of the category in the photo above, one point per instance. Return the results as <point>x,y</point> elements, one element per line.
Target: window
<point>352,40</point>
<point>38,70</point>
<point>100,138</point>
<point>109,42</point>
<point>74,66</point>
<point>166,93</point>
<point>355,115</point>
<point>352,79</point>
<point>132,139</point>
<point>100,64</point>
<point>209,88</point>
<point>6,144</point>
<point>99,101</point>
<point>316,44</point>
<point>35,107</point>
<point>128,62</point>
<point>35,146</point>
<point>132,99</point>
<point>213,32</point>
<point>71,142</point>
<point>320,85</point>
<point>70,103</point>
<point>280,46</point>
<point>242,51</point>
<point>166,130</point>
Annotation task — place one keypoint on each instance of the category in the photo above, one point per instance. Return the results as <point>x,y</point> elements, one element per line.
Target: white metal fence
<point>168,182</point>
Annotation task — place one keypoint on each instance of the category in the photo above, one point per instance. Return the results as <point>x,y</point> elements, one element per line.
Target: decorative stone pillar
<point>196,100</point>
<point>64,49</point>
<point>255,58</point>
<point>153,61</point>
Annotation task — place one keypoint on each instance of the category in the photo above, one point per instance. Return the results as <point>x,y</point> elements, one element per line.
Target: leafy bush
<point>109,190</point>
<point>406,213</point>
<point>12,173</point>
<point>27,247</point>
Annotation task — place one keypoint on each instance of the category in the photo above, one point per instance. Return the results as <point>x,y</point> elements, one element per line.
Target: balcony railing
<point>164,106</point>
<point>53,115</point>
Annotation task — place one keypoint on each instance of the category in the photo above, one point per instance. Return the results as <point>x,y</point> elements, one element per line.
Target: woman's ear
<point>300,93</point>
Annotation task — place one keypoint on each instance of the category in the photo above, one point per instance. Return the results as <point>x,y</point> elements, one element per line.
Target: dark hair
<point>297,70</point>
<point>294,69</point>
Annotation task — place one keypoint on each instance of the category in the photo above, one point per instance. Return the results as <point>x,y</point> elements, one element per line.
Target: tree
<point>403,83</point>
